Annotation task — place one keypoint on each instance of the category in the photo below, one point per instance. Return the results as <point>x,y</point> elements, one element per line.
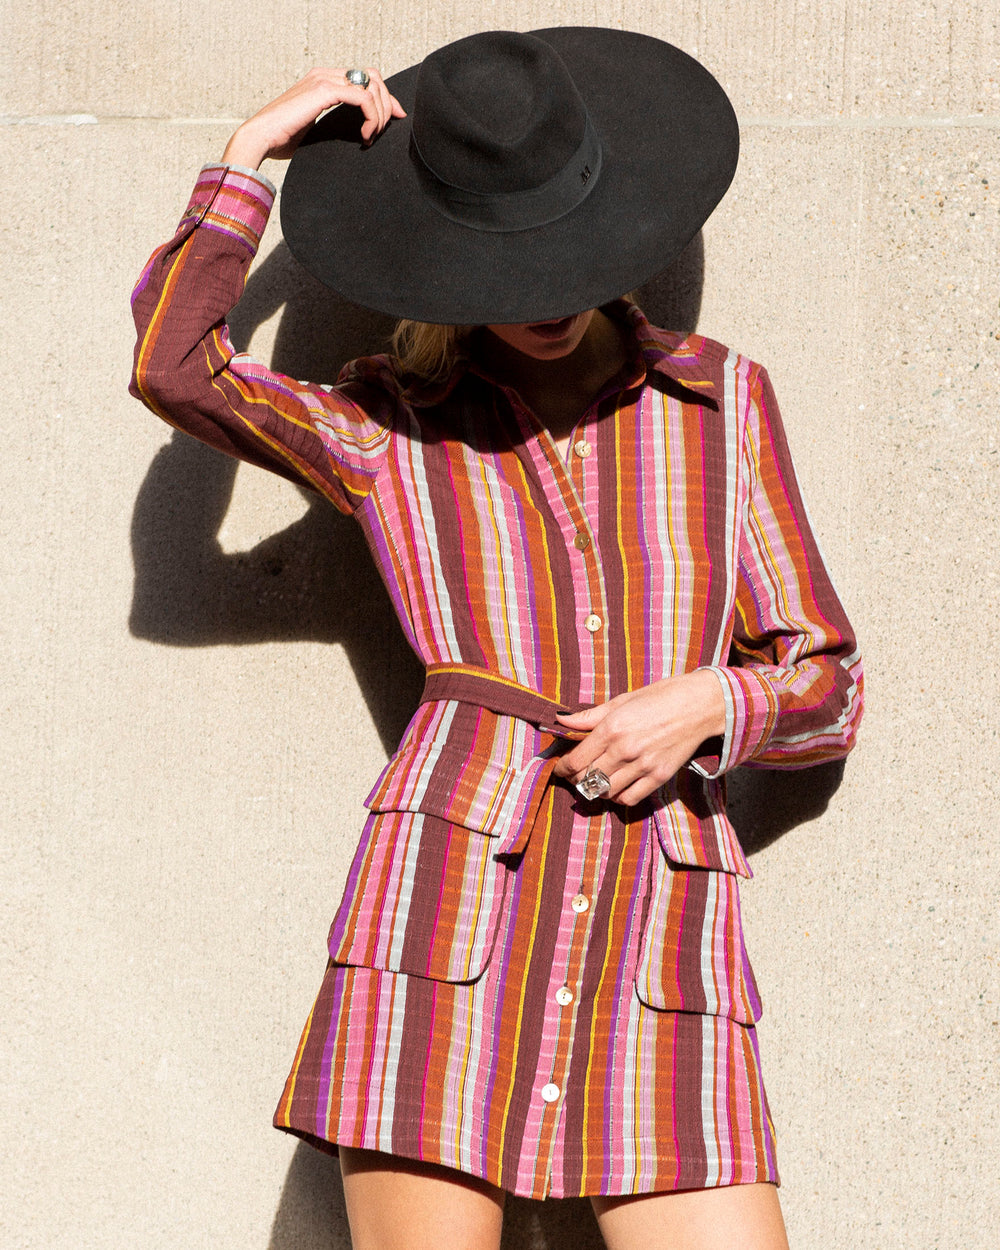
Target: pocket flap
<point>692,956</point>
<point>423,897</point>
<point>693,828</point>
<point>463,789</point>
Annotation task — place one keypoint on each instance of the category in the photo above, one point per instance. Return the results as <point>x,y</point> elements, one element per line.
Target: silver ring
<point>594,783</point>
<point>358,77</point>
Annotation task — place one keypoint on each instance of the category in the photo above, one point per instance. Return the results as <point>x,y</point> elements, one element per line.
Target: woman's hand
<point>278,128</point>
<point>641,739</point>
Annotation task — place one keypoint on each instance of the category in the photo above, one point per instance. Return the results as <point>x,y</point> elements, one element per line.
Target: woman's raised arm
<point>185,368</point>
<point>278,128</point>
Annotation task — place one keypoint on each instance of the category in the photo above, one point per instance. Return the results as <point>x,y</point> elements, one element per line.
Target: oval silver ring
<point>594,783</point>
<point>358,77</point>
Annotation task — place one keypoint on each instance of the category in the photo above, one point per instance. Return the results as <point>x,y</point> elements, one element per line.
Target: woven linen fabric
<point>549,993</point>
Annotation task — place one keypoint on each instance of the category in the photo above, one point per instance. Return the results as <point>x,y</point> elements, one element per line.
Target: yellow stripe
<point>525,493</point>
<point>289,1094</point>
<point>485,674</point>
<point>498,564</point>
<point>155,324</point>
<point>301,467</point>
<point>599,1085</point>
<point>527,965</point>
<point>672,533</point>
<point>626,606</point>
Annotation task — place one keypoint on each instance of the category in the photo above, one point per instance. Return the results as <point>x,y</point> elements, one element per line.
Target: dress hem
<point>329,1147</point>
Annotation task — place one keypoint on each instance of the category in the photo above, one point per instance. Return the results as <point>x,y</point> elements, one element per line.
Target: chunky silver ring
<point>594,783</point>
<point>358,77</point>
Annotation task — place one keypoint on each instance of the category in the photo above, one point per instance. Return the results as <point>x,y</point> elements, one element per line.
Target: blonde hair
<point>427,351</point>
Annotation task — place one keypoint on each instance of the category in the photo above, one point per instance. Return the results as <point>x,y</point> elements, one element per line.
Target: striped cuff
<point>232,200</point>
<point>751,716</point>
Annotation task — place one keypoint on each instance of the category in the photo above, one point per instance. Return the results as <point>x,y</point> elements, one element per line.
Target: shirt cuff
<point>232,200</point>
<point>751,716</point>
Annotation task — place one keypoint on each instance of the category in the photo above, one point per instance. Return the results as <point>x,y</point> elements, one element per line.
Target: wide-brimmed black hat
<point>535,175</point>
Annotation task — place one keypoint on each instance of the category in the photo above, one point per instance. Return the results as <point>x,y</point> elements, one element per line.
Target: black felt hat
<point>535,175</point>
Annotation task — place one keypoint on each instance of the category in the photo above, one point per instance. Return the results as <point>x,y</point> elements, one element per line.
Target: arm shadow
<point>314,580</point>
<point>766,803</point>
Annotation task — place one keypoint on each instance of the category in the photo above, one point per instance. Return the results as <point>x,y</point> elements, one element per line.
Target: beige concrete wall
<point>193,705</point>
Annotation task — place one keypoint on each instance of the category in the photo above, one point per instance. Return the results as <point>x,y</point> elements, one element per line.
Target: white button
<point>582,447</point>
<point>564,996</point>
<point>593,623</point>
<point>550,1092</point>
<point>579,902</point>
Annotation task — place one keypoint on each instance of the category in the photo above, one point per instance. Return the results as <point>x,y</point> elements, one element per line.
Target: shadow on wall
<point>312,1216</point>
<point>314,581</point>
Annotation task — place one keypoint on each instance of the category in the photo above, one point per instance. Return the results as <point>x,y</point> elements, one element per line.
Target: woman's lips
<point>552,329</point>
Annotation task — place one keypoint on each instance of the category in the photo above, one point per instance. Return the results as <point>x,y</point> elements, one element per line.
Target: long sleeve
<point>186,372</point>
<point>794,684</point>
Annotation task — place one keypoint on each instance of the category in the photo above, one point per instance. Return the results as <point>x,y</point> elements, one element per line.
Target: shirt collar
<point>673,355</point>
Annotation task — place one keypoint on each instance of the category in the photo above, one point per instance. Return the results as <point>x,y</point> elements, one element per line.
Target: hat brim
<point>358,219</point>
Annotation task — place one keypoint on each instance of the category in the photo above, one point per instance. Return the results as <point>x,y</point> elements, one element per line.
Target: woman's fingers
<point>278,128</point>
<point>641,739</point>
<point>376,102</point>
<point>389,106</point>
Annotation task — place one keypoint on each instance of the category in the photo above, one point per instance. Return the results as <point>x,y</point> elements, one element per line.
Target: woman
<point>594,540</point>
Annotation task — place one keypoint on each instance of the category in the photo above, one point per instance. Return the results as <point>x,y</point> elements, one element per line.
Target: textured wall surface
<point>201,678</point>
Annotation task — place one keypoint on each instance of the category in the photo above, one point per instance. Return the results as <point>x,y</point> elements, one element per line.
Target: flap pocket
<point>692,825</point>
<point>465,789</point>
<point>424,896</point>
<point>691,953</point>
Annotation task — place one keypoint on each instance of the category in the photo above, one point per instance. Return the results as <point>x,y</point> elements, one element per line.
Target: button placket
<point>553,1094</point>
<point>563,486</point>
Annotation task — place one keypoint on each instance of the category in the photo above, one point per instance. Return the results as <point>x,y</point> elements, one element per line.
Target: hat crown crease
<point>501,138</point>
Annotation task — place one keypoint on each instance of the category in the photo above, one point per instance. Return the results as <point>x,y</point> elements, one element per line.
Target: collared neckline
<point>676,355</point>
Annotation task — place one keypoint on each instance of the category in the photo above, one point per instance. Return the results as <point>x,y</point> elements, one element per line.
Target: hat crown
<point>497,113</point>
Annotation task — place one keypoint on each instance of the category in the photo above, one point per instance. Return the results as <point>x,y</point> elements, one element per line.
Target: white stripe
<point>426,539</point>
<point>393,1041</point>
<point>661,559</point>
<point>713,1170</point>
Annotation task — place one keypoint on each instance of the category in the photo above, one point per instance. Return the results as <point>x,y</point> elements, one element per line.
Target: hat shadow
<point>314,581</point>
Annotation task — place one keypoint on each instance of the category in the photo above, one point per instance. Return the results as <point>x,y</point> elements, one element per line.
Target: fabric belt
<point>467,684</point>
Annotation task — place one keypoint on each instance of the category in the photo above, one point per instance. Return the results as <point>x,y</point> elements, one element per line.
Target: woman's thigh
<point>402,1204</point>
<point>736,1217</point>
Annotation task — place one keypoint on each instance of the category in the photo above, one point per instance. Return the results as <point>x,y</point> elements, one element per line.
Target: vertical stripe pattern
<point>551,994</point>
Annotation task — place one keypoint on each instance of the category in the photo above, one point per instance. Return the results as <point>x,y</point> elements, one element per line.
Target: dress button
<point>593,623</point>
<point>582,541</point>
<point>579,902</point>
<point>564,996</point>
<point>582,448</point>
<point>550,1092</point>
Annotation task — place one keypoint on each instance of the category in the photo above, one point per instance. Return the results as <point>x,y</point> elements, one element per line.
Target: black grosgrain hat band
<point>516,210</point>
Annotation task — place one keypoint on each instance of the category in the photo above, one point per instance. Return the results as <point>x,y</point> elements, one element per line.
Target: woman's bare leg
<point>402,1204</point>
<point>737,1217</point>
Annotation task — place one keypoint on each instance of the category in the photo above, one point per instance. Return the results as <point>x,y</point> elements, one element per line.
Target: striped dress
<point>548,993</point>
